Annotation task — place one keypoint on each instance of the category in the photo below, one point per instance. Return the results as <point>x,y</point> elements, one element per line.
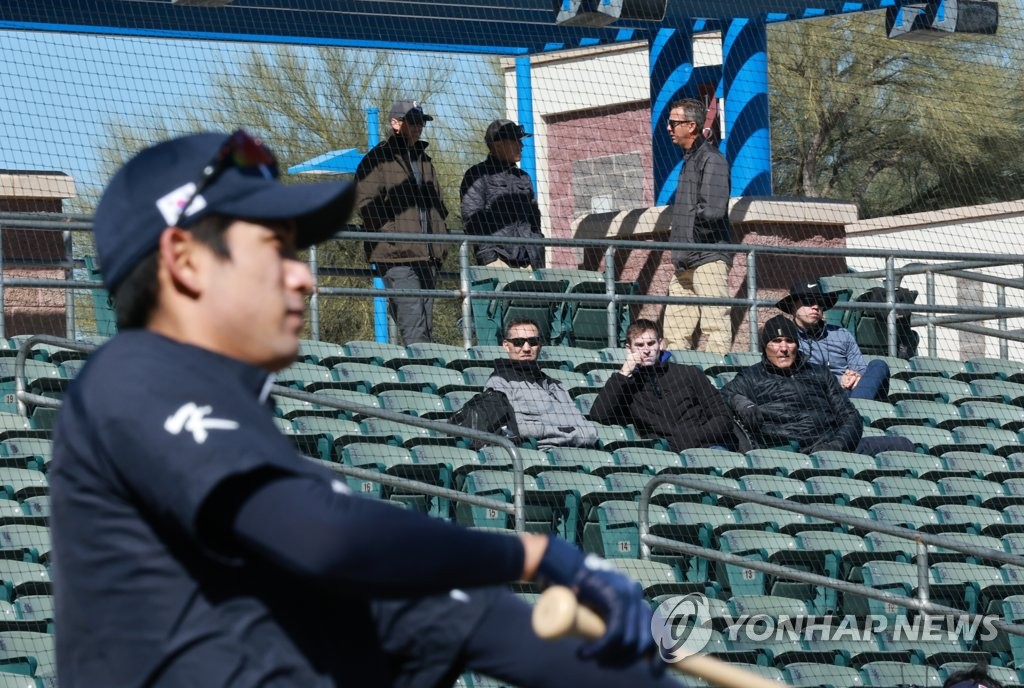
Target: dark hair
<point>693,110</point>
<point>973,677</point>
<point>640,326</point>
<point>136,296</point>
<point>513,323</point>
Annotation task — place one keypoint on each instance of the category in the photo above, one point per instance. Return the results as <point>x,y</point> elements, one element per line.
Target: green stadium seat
<point>21,482</point>
<point>597,378</point>
<point>990,440</point>
<point>34,607</point>
<point>750,515</point>
<point>878,414</point>
<point>896,577</point>
<point>974,492</point>
<point>773,485</point>
<point>846,650</point>
<point>970,519</point>
<point>841,490</point>
<point>613,437</point>
<point>586,322</point>
<point>287,407</point>
<point>305,376</point>
<point>404,434</point>
<point>656,578</point>
<point>715,461</point>
<point>998,368</point>
<point>816,675</point>
<point>960,584</point>
<point>909,463</point>
<point>992,414</point>
<point>696,524</point>
<point>37,647</point>
<point>490,483</point>
<point>23,578</point>
<point>455,461</point>
<point>778,462</point>
<point>616,534</point>
<point>999,390</point>
<point>937,367</point>
<point>433,379</point>
<point>69,370</point>
<point>453,401</point>
<point>847,464</point>
<point>37,507</point>
<point>322,353</point>
<point>927,650</point>
<point>432,353</point>
<point>364,377</point>
<point>575,383</point>
<point>906,515</point>
<point>977,464</point>
<point>937,389</point>
<point>711,363</point>
<point>899,368</point>
<point>570,358</point>
<point>583,494</point>
<point>757,544</point>
<point>534,460</point>
<point>32,541</point>
<point>927,439</point>
<point>830,554</point>
<point>1012,522</point>
<point>476,376</point>
<point>26,452</point>
<point>347,397</point>
<point>934,413</point>
<point>422,404</point>
<point>376,353</point>
<point>584,402</point>
<point>905,490</point>
<point>938,555</point>
<point>742,359</point>
<point>648,459</point>
<point>581,458</point>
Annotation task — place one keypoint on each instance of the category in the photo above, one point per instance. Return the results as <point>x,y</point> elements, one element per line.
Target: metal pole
<point>609,289</point>
<point>1004,344</point>
<point>930,295</point>
<point>314,298</point>
<point>890,300</point>
<point>69,294</point>
<point>922,572</point>
<point>467,296</point>
<point>752,294</point>
<point>3,329</point>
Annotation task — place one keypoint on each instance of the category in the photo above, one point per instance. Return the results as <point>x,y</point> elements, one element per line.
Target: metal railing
<point>922,314</point>
<point>921,603</point>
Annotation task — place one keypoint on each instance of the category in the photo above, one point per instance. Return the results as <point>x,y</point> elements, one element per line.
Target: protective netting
<point>895,153</point>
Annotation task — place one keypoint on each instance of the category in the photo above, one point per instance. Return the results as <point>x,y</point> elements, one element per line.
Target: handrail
<point>517,508</point>
<point>921,603</point>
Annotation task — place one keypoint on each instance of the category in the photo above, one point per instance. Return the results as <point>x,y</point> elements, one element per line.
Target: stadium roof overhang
<point>491,26</point>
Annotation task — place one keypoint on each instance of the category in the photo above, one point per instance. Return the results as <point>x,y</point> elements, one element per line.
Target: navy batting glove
<point>617,598</point>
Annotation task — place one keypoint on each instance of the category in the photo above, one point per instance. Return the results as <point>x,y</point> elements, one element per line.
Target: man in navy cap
<point>498,200</point>
<point>194,547</point>
<point>398,192</point>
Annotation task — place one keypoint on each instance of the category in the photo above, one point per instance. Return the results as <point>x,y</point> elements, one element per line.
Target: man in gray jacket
<point>700,215</point>
<point>544,409</point>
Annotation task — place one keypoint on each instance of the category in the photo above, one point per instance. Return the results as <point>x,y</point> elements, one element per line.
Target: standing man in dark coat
<point>700,215</point>
<point>498,200</point>
<point>398,191</point>
<point>786,397</point>
<point>663,398</point>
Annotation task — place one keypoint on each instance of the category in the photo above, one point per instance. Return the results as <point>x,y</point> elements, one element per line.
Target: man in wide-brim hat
<point>831,345</point>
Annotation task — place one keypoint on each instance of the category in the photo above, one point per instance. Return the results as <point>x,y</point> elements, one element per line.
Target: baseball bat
<point>558,613</point>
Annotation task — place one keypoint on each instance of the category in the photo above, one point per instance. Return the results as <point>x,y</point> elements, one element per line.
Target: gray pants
<point>414,314</point>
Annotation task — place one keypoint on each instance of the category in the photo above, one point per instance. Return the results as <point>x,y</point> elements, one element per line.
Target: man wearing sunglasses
<point>498,200</point>
<point>700,215</point>
<point>544,409</point>
<point>193,546</point>
<point>398,191</point>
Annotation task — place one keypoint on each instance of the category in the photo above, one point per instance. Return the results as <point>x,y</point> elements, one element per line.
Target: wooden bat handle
<point>558,614</point>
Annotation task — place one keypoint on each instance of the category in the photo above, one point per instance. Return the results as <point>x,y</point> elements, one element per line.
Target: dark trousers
<point>873,445</point>
<point>874,383</point>
<point>414,314</point>
<point>432,640</point>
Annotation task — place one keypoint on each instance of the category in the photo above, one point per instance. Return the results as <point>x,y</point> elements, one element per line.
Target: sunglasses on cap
<point>239,150</point>
<point>519,342</point>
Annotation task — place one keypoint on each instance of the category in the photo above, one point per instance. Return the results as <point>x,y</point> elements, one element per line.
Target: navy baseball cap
<point>411,110</point>
<point>504,129</point>
<point>149,192</point>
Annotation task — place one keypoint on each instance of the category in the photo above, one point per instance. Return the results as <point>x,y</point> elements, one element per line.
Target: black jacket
<point>700,212</point>
<point>802,403</point>
<point>498,200</point>
<point>668,400</point>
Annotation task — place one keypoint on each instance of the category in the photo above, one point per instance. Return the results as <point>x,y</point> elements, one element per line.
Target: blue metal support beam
<point>745,85</point>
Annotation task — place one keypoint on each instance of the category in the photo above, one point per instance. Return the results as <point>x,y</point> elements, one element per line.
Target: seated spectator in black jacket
<point>785,397</point>
<point>662,398</point>
<point>498,200</point>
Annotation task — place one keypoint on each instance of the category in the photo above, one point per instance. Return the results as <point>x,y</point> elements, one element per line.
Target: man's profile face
<point>808,314</point>
<point>646,345</point>
<point>781,352</point>
<point>507,150</point>
<point>522,343</point>
<point>255,301</point>
<point>682,131</point>
<point>410,129</point>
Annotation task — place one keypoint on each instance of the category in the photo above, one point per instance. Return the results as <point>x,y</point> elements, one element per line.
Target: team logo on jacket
<point>195,419</point>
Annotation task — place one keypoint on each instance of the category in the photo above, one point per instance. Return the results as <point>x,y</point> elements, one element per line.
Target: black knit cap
<point>779,326</point>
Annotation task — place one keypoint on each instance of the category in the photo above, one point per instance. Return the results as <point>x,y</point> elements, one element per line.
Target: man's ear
<point>178,259</point>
